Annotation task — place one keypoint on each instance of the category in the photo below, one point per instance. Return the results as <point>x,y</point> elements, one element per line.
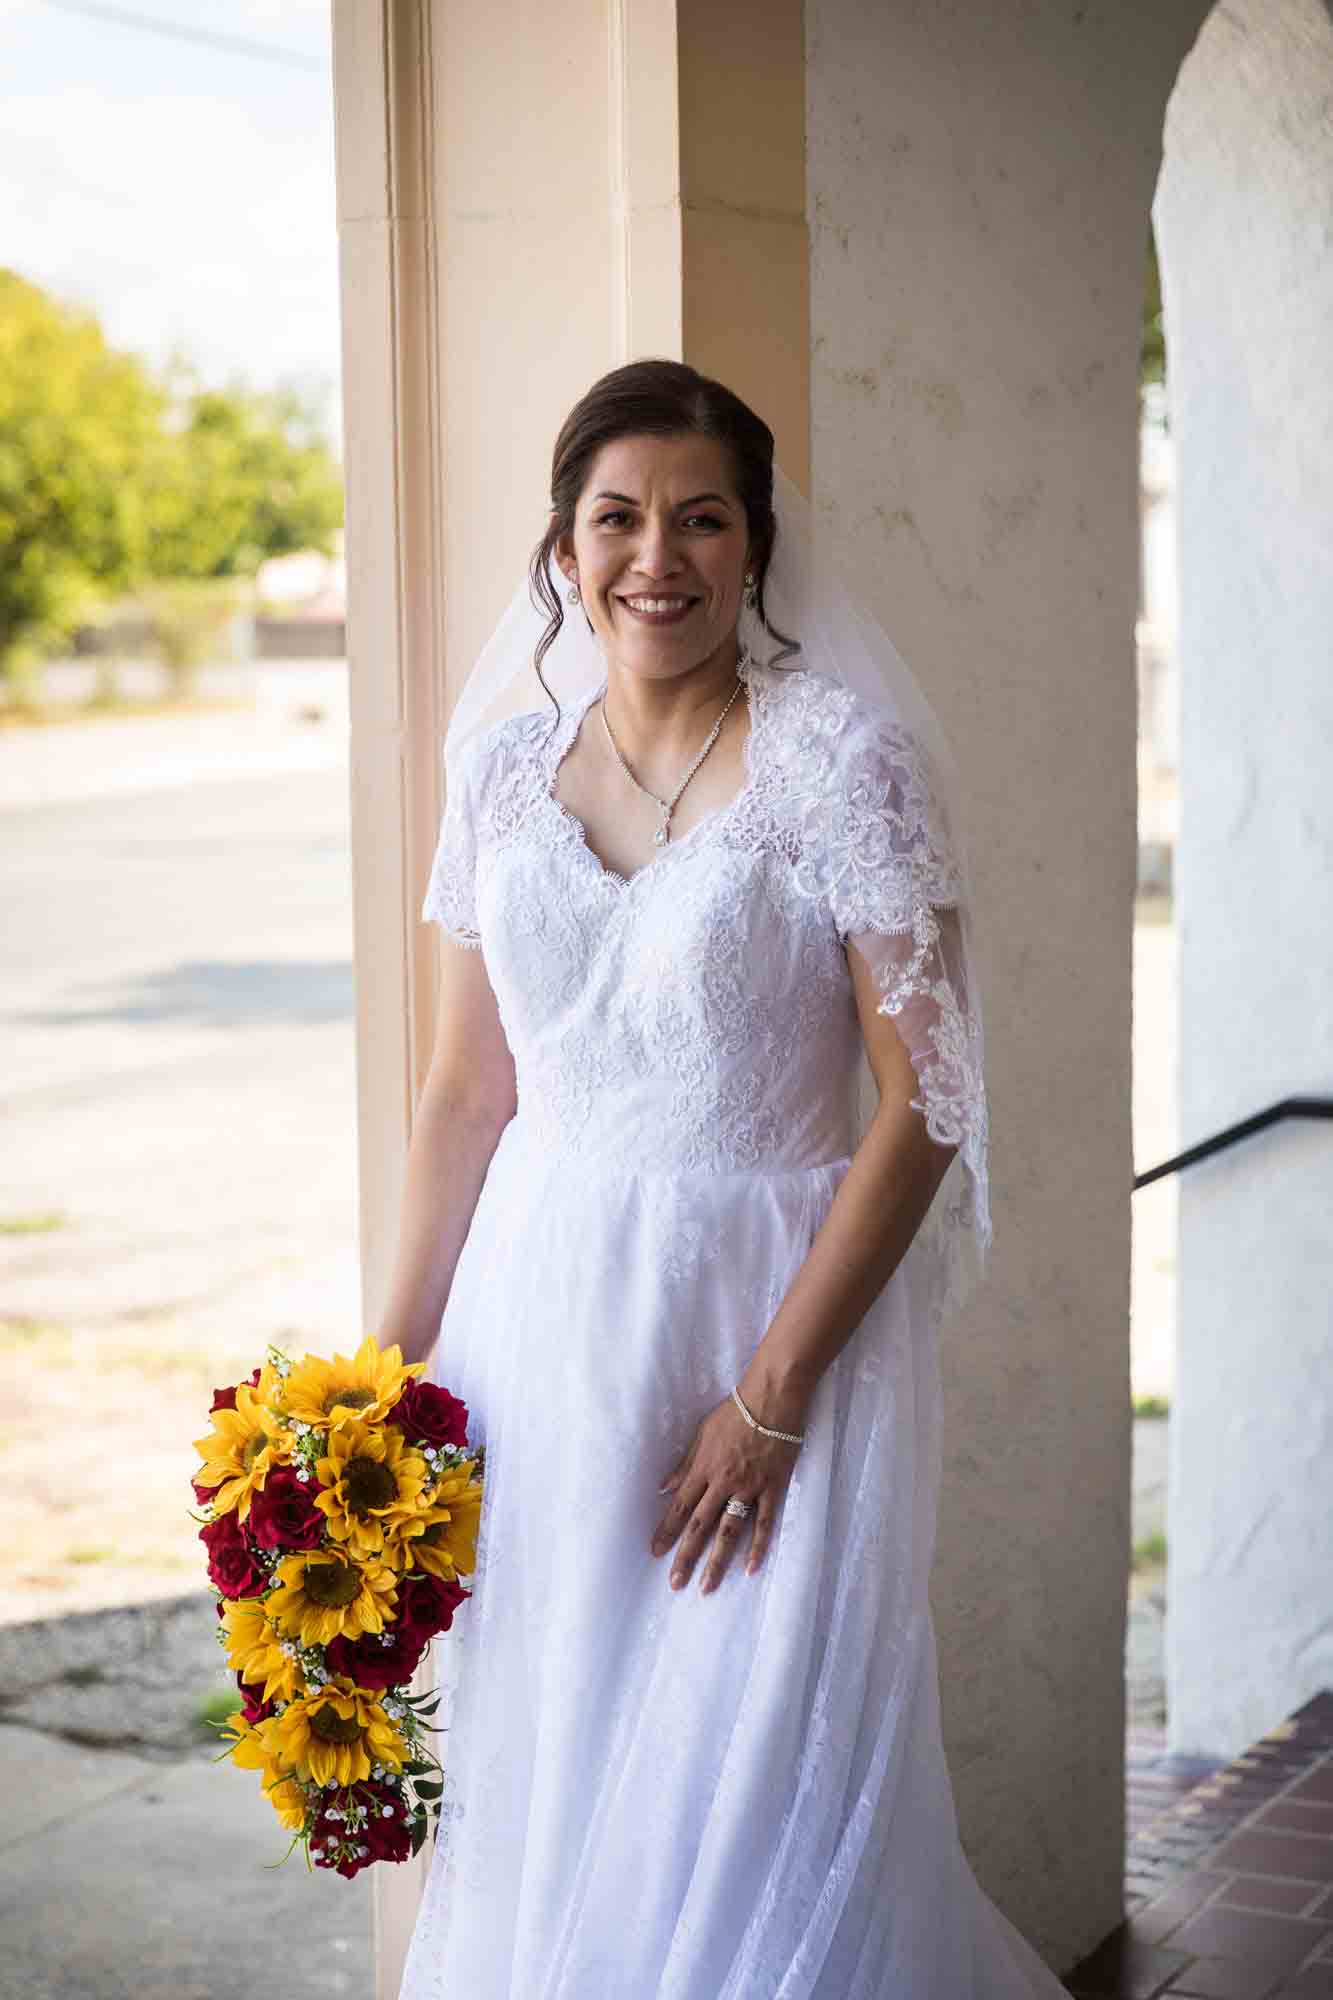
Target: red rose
<point>225,1399</point>
<point>383,1832</point>
<point>427,1414</point>
<point>372,1665</point>
<point>231,1560</point>
<point>426,1605</point>
<point>203,1494</point>
<point>253,1709</point>
<point>283,1514</point>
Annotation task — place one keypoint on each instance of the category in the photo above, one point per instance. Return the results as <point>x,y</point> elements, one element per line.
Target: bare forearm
<point>877,1210</point>
<point>452,1146</point>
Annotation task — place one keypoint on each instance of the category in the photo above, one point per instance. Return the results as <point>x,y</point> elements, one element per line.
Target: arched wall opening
<point>1243,214</point>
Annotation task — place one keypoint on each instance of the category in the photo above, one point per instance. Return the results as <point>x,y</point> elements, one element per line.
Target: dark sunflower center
<point>349,1399</point>
<point>330,1727</point>
<point>332,1584</point>
<point>368,1484</point>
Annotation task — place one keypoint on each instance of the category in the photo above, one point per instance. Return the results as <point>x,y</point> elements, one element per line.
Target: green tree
<point>77,422</point>
<point>1152,343</point>
<point>241,474</point>
<point>112,478</point>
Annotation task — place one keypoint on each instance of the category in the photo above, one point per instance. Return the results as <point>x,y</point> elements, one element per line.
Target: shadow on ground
<point>213,994</point>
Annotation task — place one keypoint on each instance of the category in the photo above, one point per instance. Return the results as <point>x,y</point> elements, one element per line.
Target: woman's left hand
<point>726,1459</point>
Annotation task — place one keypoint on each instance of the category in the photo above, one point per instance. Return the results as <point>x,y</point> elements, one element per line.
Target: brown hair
<point>663,399</point>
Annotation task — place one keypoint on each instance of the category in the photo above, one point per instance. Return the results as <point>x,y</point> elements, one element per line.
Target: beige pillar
<point>525,200</point>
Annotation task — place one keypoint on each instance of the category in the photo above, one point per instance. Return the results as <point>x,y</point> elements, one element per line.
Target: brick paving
<point>1229,1873</point>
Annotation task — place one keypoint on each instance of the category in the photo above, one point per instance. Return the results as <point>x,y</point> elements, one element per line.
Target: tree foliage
<point>1152,346</point>
<point>244,475</point>
<point>77,424</point>
<point>112,476</point>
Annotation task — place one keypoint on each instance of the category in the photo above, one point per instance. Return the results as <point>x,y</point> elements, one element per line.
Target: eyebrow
<point>693,500</point>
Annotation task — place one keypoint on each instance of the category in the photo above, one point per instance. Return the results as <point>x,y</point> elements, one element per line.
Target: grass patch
<point>160,1559</point>
<point>39,1224</point>
<point>136,1358</point>
<point>21,1329</point>
<point>56,715</point>
<point>1150,1553</point>
<point>1152,1406</point>
<point>214,1708</point>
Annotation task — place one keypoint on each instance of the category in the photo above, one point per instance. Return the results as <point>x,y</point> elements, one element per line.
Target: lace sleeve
<point>451,899</point>
<point>894,883</point>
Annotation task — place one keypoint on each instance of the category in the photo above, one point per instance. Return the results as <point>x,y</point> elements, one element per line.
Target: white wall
<point>1244,217</point>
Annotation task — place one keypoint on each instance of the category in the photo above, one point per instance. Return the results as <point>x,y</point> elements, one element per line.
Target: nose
<point>656,556</point>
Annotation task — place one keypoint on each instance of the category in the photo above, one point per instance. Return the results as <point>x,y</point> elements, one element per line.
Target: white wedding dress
<point>650,1794</point>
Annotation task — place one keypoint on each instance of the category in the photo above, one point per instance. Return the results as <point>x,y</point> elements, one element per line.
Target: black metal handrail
<point>1286,1107</point>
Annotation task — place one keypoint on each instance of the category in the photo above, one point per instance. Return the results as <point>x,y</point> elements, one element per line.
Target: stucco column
<point>526,200</point>
<point>980,180</point>
<point>1243,214</point>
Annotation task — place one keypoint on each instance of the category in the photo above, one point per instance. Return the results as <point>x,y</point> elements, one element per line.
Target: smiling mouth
<point>668,609</point>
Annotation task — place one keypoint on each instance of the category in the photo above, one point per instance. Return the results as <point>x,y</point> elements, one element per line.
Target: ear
<point>564,555</point>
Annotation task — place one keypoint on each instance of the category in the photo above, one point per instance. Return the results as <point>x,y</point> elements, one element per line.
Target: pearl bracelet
<point>787,1437</point>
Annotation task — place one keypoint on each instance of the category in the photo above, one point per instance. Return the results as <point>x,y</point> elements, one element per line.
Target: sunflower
<point>328,1393</point>
<point>337,1733</point>
<point>322,1595</point>
<point>370,1476</point>
<point>254,1649</point>
<point>441,1537</point>
<point>239,1450</point>
<point>255,1750</point>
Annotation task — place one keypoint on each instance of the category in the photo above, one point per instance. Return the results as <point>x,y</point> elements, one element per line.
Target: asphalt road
<point>177,1075</point>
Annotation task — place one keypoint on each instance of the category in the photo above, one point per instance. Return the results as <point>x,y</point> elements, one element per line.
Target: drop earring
<point>573,594</point>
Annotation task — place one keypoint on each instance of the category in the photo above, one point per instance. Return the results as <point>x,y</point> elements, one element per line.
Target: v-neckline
<point>565,741</point>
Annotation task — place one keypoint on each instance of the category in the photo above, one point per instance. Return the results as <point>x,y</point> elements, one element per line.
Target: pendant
<point>660,837</point>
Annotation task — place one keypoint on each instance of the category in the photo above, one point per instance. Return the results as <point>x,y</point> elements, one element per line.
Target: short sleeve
<point>451,893</point>
<point>894,883</point>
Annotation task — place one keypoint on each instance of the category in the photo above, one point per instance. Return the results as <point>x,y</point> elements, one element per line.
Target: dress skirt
<point>657,1795</point>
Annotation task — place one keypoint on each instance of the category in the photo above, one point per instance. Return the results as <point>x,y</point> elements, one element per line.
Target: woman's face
<point>659,551</point>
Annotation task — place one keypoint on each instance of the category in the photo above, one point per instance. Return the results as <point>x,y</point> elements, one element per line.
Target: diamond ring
<point>738,1507</point>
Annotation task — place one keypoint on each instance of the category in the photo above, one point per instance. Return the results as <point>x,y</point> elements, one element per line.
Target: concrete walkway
<point>123,1879</point>
<point>131,1863</point>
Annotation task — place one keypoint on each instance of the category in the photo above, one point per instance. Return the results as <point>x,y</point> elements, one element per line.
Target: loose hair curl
<point>662,399</point>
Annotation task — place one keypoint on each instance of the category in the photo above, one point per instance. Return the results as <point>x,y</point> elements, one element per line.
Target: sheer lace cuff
<point>883,855</point>
<point>451,900</point>
<point>923,986</point>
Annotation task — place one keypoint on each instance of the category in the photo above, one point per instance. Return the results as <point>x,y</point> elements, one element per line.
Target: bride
<point>699,1165</point>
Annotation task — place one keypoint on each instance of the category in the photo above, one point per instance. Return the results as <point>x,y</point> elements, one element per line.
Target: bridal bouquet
<point>340,1508</point>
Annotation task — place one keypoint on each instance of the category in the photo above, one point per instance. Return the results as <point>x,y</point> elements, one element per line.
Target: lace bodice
<point>700,1014</point>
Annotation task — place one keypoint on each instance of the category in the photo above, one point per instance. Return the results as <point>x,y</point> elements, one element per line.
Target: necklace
<point>667,806</point>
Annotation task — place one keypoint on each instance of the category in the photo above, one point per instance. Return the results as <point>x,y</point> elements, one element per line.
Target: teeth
<point>656,603</point>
